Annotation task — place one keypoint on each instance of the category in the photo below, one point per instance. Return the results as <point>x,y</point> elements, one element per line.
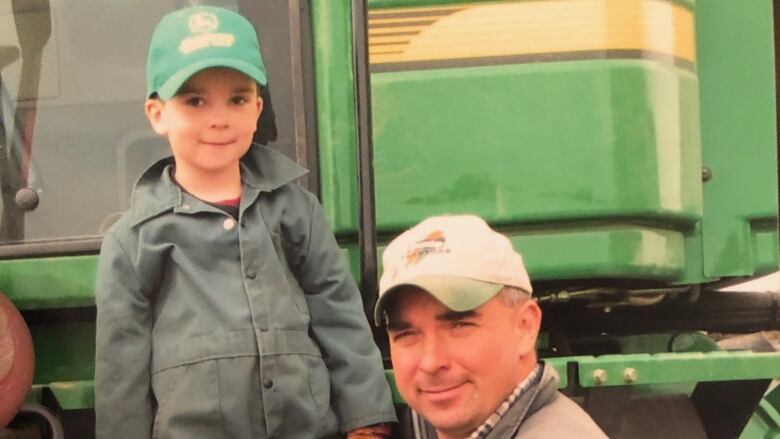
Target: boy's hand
<point>378,431</point>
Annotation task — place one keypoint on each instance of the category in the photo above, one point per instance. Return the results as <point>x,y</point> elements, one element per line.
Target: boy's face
<point>210,121</point>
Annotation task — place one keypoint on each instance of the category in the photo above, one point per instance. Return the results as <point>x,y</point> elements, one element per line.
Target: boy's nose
<point>218,118</point>
<point>219,123</point>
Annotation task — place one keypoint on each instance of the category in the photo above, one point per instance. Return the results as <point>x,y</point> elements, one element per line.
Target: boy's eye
<point>194,101</point>
<point>238,100</point>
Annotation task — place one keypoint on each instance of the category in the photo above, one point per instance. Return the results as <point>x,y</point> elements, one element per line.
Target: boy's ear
<point>154,112</point>
<point>259,106</point>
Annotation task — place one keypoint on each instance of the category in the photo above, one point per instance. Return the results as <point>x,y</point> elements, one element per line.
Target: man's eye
<point>400,335</point>
<point>462,324</point>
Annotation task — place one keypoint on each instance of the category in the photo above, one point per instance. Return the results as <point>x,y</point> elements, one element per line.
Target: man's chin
<point>451,416</point>
<point>452,424</point>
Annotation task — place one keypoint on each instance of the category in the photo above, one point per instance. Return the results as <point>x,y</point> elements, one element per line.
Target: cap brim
<point>174,83</point>
<point>455,292</point>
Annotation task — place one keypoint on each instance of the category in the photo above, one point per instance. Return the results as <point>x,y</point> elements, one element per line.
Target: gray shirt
<point>541,411</point>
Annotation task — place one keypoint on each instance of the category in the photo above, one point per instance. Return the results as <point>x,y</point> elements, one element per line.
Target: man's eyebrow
<point>397,325</point>
<point>450,316</point>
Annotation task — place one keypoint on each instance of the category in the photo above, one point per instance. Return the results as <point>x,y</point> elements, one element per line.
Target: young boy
<point>225,308</point>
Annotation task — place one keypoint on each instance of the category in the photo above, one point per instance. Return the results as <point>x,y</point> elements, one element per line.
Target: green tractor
<point>628,148</point>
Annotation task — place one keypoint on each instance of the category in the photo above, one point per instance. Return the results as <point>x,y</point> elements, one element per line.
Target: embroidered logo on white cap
<point>433,243</point>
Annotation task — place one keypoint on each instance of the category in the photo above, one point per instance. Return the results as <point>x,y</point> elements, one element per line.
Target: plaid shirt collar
<point>483,430</point>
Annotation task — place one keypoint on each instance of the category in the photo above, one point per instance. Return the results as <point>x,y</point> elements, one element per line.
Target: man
<point>455,297</point>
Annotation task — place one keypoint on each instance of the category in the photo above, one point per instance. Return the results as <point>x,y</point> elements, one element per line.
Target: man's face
<point>210,121</point>
<point>456,368</point>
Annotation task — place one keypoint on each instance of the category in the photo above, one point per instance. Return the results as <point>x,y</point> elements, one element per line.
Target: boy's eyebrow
<point>185,89</point>
<point>244,89</point>
<point>449,316</point>
<point>194,90</point>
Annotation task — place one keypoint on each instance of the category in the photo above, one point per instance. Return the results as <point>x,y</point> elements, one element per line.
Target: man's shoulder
<point>560,417</point>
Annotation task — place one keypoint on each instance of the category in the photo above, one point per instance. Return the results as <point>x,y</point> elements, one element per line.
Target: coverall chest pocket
<point>296,293</point>
<point>188,402</point>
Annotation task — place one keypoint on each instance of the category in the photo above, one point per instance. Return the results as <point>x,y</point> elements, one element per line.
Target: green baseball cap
<point>197,38</point>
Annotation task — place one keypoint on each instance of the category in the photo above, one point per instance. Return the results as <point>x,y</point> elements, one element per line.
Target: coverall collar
<point>156,192</point>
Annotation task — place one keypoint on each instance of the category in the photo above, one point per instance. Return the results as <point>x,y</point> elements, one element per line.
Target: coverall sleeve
<point>123,397</point>
<point>360,394</point>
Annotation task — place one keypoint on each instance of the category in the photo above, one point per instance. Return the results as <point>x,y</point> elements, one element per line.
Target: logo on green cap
<point>203,23</point>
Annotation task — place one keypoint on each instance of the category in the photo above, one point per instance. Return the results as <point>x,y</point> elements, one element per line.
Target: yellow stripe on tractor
<point>485,30</point>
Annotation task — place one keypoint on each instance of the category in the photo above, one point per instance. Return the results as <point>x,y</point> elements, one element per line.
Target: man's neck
<point>527,367</point>
<point>210,186</point>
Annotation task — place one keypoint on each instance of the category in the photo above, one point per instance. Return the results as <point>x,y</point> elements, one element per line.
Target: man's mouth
<point>441,393</point>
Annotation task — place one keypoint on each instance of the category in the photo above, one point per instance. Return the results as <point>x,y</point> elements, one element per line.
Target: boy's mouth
<point>217,143</point>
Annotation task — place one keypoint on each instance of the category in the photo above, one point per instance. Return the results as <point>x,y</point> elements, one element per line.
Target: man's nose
<point>434,355</point>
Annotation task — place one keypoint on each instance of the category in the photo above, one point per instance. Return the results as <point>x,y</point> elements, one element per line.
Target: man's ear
<point>529,320</point>
<point>154,112</point>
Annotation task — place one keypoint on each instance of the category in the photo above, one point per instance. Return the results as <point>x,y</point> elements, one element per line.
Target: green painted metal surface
<point>604,153</point>
<point>70,395</point>
<point>585,149</point>
<point>74,394</point>
<point>581,141</point>
<point>618,251</point>
<point>613,251</point>
<point>592,167</point>
<point>679,368</point>
<point>64,352</point>
<point>773,397</point>
<point>336,130</point>
<point>49,282</point>
<point>657,369</point>
<point>561,365</point>
<point>764,424</point>
<point>736,69</point>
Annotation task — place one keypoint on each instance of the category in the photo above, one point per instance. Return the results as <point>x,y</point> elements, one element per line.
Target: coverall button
<point>228,223</point>
<point>251,274</point>
<point>268,383</point>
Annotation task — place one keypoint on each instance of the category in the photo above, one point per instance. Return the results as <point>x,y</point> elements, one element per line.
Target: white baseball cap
<point>458,259</point>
